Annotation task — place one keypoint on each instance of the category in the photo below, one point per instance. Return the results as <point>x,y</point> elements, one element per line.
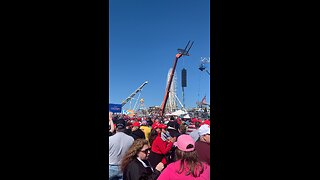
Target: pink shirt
<point>170,173</point>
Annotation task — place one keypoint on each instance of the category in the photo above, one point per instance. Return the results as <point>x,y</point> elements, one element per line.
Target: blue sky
<point>144,36</point>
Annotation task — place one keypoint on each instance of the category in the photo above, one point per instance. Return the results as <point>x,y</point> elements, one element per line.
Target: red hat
<point>158,125</point>
<point>194,120</point>
<point>136,124</point>
<point>207,121</point>
<point>139,119</point>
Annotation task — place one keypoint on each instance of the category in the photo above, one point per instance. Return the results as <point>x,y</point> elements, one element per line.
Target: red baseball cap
<point>136,124</point>
<point>207,121</point>
<point>158,125</point>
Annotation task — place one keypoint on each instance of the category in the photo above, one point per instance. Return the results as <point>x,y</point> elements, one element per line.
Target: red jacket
<point>161,147</point>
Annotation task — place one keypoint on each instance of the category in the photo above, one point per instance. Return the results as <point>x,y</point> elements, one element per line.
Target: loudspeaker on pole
<point>184,77</point>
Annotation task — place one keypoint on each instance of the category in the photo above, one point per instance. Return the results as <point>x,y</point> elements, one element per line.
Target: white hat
<point>204,129</point>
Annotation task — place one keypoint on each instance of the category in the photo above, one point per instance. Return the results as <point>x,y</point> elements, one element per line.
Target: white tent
<point>186,116</point>
<point>179,113</point>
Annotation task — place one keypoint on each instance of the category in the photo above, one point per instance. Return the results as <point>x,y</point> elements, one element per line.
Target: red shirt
<point>161,147</point>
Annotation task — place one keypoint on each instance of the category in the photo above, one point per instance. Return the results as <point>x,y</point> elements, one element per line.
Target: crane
<point>133,94</point>
<point>181,52</point>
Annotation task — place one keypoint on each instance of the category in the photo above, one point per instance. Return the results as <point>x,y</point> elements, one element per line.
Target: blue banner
<point>115,108</point>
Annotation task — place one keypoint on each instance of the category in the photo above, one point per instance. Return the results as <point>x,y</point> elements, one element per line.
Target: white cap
<point>204,129</point>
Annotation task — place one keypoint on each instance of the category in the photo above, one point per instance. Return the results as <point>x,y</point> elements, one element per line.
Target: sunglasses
<point>146,150</point>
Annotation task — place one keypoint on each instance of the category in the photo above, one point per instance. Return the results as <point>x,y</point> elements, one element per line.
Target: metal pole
<point>164,102</point>
<point>183,96</point>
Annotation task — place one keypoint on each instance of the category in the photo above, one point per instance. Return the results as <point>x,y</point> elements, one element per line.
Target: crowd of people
<point>154,147</point>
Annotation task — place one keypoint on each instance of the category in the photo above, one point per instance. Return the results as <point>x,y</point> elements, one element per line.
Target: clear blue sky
<point>144,36</point>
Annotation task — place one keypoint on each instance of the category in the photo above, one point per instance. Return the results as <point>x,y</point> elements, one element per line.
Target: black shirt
<point>137,134</point>
<point>136,171</point>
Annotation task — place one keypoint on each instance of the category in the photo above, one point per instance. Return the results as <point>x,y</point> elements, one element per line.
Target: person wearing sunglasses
<point>135,165</point>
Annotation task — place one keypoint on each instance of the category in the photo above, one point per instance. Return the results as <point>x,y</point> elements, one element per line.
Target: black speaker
<point>184,77</point>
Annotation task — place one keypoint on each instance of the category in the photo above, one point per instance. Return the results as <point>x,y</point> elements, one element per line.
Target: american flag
<point>203,101</point>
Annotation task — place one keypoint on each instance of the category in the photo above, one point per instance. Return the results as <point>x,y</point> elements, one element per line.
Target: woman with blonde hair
<point>135,165</point>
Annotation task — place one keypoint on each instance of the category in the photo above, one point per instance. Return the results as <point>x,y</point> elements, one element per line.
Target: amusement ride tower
<point>172,104</point>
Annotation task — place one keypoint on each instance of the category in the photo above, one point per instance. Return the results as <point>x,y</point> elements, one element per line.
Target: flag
<point>203,101</point>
